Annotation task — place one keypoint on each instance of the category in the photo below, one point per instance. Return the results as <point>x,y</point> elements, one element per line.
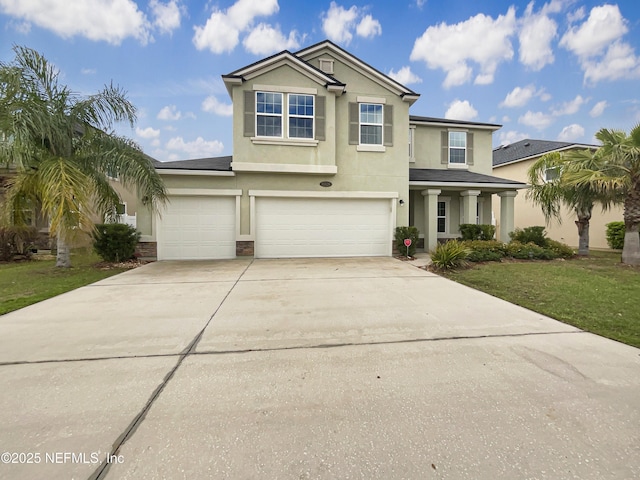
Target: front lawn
<point>28,282</point>
<point>597,294</point>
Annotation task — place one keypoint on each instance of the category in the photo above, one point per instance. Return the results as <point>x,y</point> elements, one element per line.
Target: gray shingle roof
<point>213,163</point>
<point>454,176</point>
<point>416,118</point>
<point>530,148</point>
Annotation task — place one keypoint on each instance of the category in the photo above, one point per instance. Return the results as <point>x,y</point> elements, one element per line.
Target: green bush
<point>450,255</point>
<point>115,242</point>
<point>16,240</point>
<point>471,231</point>
<point>560,249</point>
<point>485,250</point>
<point>529,251</point>
<point>615,235</point>
<point>529,235</point>
<point>407,232</point>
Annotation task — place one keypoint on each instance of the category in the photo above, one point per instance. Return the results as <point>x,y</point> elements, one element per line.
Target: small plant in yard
<point>561,250</point>
<point>529,235</point>
<point>16,240</point>
<point>471,231</point>
<point>407,232</point>
<point>115,242</point>
<point>485,250</point>
<point>615,235</point>
<point>529,251</point>
<point>449,256</point>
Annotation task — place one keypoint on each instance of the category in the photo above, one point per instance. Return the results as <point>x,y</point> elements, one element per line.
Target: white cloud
<point>519,96</point>
<point>199,148</point>
<point>506,119</point>
<point>507,138</point>
<point>339,23</point>
<point>88,71</point>
<point>537,31</point>
<point>213,105</point>
<point>536,120</point>
<point>543,95</point>
<point>569,108</point>
<point>368,27</point>
<point>21,27</point>
<point>405,76</point>
<point>166,15</point>
<point>604,25</point>
<point>598,108</point>
<point>461,110</point>
<point>221,32</point>
<point>576,16</point>
<point>480,39</point>
<point>620,61</point>
<point>571,133</point>
<point>97,20</point>
<point>170,112</point>
<point>147,133</point>
<point>597,43</point>
<point>265,39</point>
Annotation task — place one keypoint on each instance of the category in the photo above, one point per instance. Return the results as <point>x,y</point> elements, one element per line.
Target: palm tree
<point>551,190</point>
<point>63,148</point>
<point>616,177</point>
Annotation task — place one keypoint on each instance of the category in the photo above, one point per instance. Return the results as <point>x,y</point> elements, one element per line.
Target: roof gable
<point>528,148</point>
<point>360,66</point>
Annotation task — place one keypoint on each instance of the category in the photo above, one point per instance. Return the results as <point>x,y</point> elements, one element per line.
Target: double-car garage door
<point>201,227</point>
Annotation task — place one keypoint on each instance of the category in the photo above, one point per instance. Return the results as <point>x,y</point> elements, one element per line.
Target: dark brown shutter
<point>469,148</point>
<point>444,158</point>
<point>354,124</point>
<point>249,113</point>
<point>388,126</point>
<point>320,118</point>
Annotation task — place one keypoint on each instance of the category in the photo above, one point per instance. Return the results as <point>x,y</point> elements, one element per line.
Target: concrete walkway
<point>309,368</point>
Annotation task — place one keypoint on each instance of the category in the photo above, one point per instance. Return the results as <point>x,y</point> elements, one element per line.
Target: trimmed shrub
<point>529,251</point>
<point>615,235</point>
<point>529,235</point>
<point>406,232</point>
<point>16,240</point>
<point>485,250</point>
<point>560,249</point>
<point>450,255</point>
<point>115,242</point>
<point>471,231</point>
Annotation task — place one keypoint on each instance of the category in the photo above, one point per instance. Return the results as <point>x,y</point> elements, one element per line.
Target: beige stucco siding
<point>527,214</point>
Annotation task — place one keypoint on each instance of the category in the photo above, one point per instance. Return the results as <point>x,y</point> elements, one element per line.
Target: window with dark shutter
<point>388,126</point>
<point>469,148</point>
<point>320,118</point>
<point>249,113</point>
<point>444,157</point>
<point>354,124</point>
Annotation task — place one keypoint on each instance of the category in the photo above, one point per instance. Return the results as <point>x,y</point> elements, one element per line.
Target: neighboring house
<point>327,162</point>
<point>513,161</point>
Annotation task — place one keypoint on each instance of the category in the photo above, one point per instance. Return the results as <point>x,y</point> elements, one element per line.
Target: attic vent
<point>527,144</point>
<point>326,65</point>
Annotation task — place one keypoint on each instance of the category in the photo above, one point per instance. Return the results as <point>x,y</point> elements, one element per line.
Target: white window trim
<point>447,217</point>
<point>285,138</point>
<point>370,147</point>
<point>281,115</point>
<point>452,164</point>
<point>312,117</point>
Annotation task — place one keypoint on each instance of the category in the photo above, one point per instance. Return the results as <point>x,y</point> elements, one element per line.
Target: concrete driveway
<point>311,368</point>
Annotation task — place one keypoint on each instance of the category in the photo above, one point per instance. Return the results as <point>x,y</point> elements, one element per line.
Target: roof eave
<point>480,185</point>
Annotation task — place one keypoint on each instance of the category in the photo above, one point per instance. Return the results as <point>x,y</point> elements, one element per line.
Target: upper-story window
<point>458,148</point>
<point>269,114</point>
<point>371,123</point>
<point>301,116</point>
<point>551,174</point>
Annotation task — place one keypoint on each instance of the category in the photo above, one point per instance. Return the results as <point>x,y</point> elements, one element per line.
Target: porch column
<point>469,206</point>
<point>506,214</point>
<point>430,218</point>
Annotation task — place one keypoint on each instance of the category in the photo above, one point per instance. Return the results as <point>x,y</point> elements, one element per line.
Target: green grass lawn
<point>28,282</point>
<point>597,294</point>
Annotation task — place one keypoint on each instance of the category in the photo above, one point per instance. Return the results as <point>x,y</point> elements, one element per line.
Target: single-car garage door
<point>319,227</point>
<point>197,227</point>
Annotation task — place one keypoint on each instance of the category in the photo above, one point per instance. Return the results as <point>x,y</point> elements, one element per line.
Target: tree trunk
<point>63,257</point>
<point>631,248</point>
<point>584,217</point>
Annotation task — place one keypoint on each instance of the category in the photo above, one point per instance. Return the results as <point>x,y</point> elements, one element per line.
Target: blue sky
<point>556,70</point>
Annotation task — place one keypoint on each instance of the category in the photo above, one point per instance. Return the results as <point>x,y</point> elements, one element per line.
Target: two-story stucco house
<point>327,162</point>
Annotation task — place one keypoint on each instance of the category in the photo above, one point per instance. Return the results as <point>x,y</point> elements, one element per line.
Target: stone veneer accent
<point>147,250</point>
<point>244,248</point>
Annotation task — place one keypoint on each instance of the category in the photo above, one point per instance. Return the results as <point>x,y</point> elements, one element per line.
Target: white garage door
<point>194,227</point>
<point>314,227</point>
